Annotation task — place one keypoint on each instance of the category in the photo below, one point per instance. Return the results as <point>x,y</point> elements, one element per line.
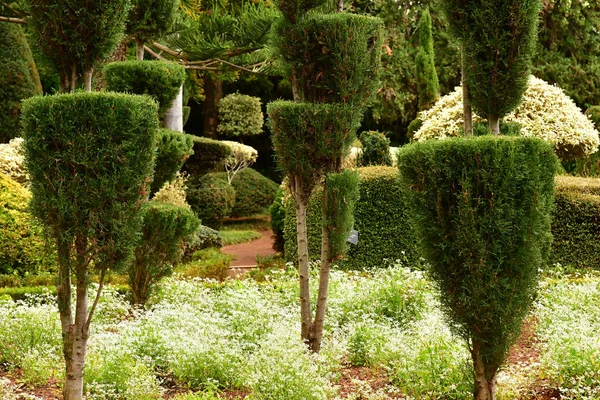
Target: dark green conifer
<point>428,83</point>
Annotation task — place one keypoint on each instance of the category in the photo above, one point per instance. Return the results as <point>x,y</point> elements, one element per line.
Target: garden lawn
<point>385,339</point>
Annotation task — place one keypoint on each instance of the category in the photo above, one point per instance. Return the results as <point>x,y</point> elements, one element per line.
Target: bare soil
<point>244,255</point>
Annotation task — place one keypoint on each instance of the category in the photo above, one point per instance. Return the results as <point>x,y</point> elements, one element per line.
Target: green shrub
<point>254,193</point>
<point>428,85</point>
<point>19,78</point>
<point>211,198</point>
<point>594,114</point>
<point>173,149</point>
<point>240,115</point>
<point>481,209</point>
<point>22,248</point>
<point>277,212</point>
<point>413,127</point>
<point>331,55</point>
<point>166,229</point>
<point>159,79</point>
<point>151,19</point>
<point>375,149</point>
<point>208,155</point>
<point>576,224</point>
<point>208,264</point>
<point>379,216</point>
<point>203,238</point>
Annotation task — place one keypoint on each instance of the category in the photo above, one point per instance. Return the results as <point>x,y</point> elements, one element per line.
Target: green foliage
<point>495,71</point>
<point>208,155</point>
<point>294,9</point>
<point>90,158</point>
<point>428,83</point>
<point>166,229</point>
<point>576,225</point>
<point>331,55</point>
<point>340,197</point>
<point>594,114</point>
<point>413,127</point>
<point>77,34</point>
<point>238,237</point>
<point>309,139</point>
<point>151,19</point>
<point>19,78</point>
<point>481,210</point>
<point>159,79</point>
<point>203,238</point>
<point>375,150</point>
<point>240,115</point>
<point>208,264</point>
<point>277,212</point>
<point>211,198</point>
<point>254,193</point>
<point>380,217</point>
<point>22,249</point>
<point>173,149</point>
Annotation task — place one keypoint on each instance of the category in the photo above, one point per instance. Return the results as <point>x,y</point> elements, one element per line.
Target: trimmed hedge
<point>22,248</point>
<point>159,79</point>
<point>375,150</point>
<point>211,198</point>
<point>240,115</point>
<point>380,218</point>
<point>208,155</point>
<point>254,193</point>
<point>173,148</point>
<point>576,226</point>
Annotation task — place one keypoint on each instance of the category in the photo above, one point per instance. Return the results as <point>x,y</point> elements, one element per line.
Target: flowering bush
<point>12,161</point>
<point>546,112</point>
<point>173,192</point>
<point>241,157</point>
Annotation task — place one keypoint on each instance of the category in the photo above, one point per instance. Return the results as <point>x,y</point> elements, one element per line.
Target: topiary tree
<point>375,150</point>
<point>77,34</point>
<point>19,78</point>
<point>211,198</point>
<point>173,149</point>
<point>209,154</point>
<point>90,158</point>
<point>498,48</point>
<point>240,115</point>
<point>254,193</point>
<point>428,84</point>
<point>149,20</point>
<point>241,157</point>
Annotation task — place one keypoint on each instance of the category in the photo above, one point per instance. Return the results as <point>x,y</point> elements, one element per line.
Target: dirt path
<point>245,253</point>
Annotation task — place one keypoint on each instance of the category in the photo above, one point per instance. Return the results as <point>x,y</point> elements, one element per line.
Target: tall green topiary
<point>149,20</point>
<point>77,34</point>
<point>240,115</point>
<point>90,158</point>
<point>375,149</point>
<point>481,210</point>
<point>498,48</point>
<point>19,78</point>
<point>173,148</point>
<point>428,84</point>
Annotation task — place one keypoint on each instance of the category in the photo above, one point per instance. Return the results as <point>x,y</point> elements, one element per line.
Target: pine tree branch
<point>13,20</point>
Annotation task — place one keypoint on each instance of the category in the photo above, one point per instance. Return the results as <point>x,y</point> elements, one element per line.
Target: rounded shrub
<point>165,231</point>
<point>481,211</point>
<point>159,79</point>
<point>22,248</point>
<point>211,198</point>
<point>240,115</point>
<point>208,154</point>
<point>19,78</point>
<point>173,149</point>
<point>375,150</point>
<point>254,193</point>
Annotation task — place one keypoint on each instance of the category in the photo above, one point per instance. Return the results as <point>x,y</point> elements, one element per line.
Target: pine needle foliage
<point>481,209</point>
<point>151,19</point>
<point>340,197</point>
<point>173,148</point>
<point>240,115</point>
<point>375,150</point>
<point>159,79</point>
<point>334,57</point>
<point>428,83</point>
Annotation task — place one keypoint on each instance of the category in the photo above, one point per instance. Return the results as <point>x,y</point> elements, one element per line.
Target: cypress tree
<point>19,78</point>
<point>428,83</point>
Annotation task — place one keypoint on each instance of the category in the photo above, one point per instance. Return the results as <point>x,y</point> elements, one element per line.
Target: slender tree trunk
<point>305,311</point>
<point>467,111</point>
<point>87,77</point>
<point>485,379</point>
<point>295,88</point>
<point>494,125</point>
<point>73,78</point>
<point>213,92</point>
<point>63,85</point>
<point>340,5</point>
<point>139,49</point>
<point>174,115</point>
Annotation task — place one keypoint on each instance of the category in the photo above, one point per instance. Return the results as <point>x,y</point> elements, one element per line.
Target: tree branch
<point>186,66</point>
<point>13,20</point>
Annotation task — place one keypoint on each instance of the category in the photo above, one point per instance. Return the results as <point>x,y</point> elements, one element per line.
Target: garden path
<point>244,255</point>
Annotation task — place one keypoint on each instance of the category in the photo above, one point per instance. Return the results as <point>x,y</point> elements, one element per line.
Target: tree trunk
<point>87,77</point>
<point>73,78</point>
<point>485,378</point>
<point>139,49</point>
<point>305,311</point>
<point>340,5</point>
<point>494,125</point>
<point>213,92</point>
<point>467,111</point>
<point>174,115</point>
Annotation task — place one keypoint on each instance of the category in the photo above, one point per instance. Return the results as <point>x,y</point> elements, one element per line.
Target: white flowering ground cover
<point>213,340</point>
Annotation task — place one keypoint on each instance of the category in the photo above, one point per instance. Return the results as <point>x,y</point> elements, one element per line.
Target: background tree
<point>428,84</point>
<point>19,78</point>
<point>240,115</point>
<point>77,34</point>
<point>150,20</point>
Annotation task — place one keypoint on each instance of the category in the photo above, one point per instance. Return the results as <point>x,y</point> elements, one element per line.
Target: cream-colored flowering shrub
<point>173,192</point>
<point>12,161</point>
<point>241,157</point>
<point>546,112</point>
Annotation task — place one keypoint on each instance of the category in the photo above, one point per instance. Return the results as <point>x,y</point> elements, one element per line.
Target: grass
<point>254,223</point>
<point>238,236</point>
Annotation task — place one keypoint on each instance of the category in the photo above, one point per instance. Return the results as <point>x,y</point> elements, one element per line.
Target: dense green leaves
<point>151,19</point>
<point>481,210</point>
<point>159,79</point>
<point>173,148</point>
<point>340,197</point>
<point>375,149</point>
<point>90,158</point>
<point>428,84</point>
<point>208,155</point>
<point>240,115</point>
<point>211,198</point>
<point>254,193</point>
<point>19,78</point>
